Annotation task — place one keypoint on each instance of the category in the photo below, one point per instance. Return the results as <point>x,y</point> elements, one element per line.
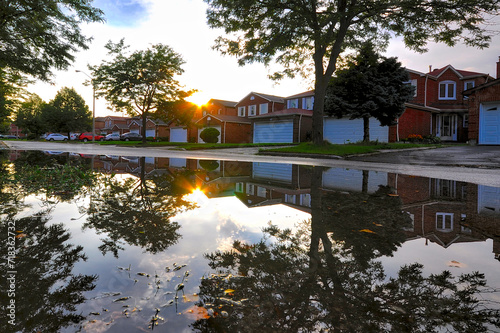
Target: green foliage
<point>142,82</point>
<point>371,86</point>
<point>29,117</point>
<point>67,112</point>
<point>11,91</point>
<point>43,34</point>
<point>210,135</point>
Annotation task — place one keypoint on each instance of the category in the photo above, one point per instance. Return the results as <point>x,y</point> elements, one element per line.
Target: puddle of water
<point>129,244</point>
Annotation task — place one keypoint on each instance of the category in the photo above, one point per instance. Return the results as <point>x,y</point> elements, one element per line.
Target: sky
<point>181,24</point>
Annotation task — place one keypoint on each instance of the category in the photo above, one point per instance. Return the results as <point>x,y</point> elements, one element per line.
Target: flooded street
<point>129,243</point>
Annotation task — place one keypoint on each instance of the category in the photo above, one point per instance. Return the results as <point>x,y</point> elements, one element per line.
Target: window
<point>261,191</point>
<point>414,84</point>
<point>292,103</point>
<point>252,110</point>
<point>250,189</point>
<point>447,90</point>
<point>305,200</point>
<point>444,222</point>
<point>239,188</point>
<point>290,198</point>
<point>241,111</point>
<point>252,98</point>
<point>468,85</point>
<point>263,108</point>
<point>466,121</point>
<point>308,103</point>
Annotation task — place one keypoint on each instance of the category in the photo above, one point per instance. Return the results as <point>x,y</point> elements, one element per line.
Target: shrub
<point>210,135</point>
<point>415,138</point>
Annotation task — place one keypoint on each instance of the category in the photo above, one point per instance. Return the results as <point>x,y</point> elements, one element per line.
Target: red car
<point>87,136</point>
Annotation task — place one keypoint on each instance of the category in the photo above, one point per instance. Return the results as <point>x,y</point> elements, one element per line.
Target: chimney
<point>430,68</point>
<point>498,68</point>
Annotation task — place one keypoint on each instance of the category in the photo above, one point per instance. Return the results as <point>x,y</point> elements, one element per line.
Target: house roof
<point>481,87</point>
<point>227,119</point>
<point>270,98</point>
<point>303,94</point>
<point>229,104</point>
<point>287,112</point>
<point>460,73</point>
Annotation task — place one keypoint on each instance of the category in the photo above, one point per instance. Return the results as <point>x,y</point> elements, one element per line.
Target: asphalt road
<point>475,164</point>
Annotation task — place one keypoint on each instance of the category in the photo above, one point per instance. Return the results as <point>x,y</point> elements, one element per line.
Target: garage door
<point>273,132</point>
<point>150,133</point>
<point>488,199</point>
<point>344,130</point>
<point>489,124</point>
<point>201,129</point>
<point>272,172</point>
<point>178,134</point>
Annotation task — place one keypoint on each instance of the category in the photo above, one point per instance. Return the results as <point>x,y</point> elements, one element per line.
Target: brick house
<point>279,120</point>
<point>484,111</point>
<point>438,106</point>
<point>115,124</point>
<point>223,116</point>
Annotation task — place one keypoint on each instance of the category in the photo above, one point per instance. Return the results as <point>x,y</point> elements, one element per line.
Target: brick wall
<point>489,94</point>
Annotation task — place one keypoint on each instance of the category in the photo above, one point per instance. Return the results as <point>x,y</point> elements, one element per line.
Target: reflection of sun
<point>196,196</point>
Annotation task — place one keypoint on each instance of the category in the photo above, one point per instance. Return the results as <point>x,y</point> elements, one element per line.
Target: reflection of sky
<point>214,226</point>
<point>122,13</point>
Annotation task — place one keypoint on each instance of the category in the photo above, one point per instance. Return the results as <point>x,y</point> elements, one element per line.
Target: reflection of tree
<point>46,292</point>
<point>54,176</point>
<point>137,211</point>
<point>312,280</point>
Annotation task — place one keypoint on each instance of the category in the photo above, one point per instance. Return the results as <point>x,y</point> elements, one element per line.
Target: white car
<point>112,137</point>
<point>56,137</point>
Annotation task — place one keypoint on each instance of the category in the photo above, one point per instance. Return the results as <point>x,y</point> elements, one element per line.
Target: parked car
<point>56,137</point>
<point>112,137</point>
<point>87,136</point>
<point>74,136</point>
<point>9,136</point>
<point>130,136</point>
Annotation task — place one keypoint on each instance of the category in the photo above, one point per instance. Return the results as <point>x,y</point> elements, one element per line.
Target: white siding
<point>273,132</point>
<point>344,130</point>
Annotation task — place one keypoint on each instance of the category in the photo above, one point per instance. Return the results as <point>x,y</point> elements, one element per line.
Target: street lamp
<point>93,103</point>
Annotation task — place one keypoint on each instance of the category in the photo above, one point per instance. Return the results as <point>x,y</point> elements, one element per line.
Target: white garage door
<point>178,134</point>
<point>352,180</point>
<point>150,133</point>
<point>344,130</point>
<point>272,172</point>
<point>201,129</point>
<point>273,132</point>
<point>488,200</point>
<point>489,124</point>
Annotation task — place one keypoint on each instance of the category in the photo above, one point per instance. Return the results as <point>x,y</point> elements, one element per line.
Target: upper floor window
<point>447,90</point>
<point>241,111</point>
<point>468,85</point>
<point>444,222</point>
<point>263,108</point>
<point>308,103</point>
<point>414,84</point>
<point>292,103</point>
<point>252,110</point>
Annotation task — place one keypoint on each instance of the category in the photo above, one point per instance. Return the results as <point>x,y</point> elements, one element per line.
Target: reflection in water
<point>145,240</point>
<point>324,277</point>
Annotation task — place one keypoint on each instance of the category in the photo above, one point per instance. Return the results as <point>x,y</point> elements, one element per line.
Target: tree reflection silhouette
<point>137,211</point>
<point>324,278</point>
<point>46,290</point>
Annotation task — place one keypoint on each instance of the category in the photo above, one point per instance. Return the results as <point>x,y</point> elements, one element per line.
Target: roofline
<point>480,87</point>
<point>222,120</point>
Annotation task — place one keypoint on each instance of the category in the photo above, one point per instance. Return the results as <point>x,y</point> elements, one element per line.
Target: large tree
<point>370,86</point>
<point>67,112</point>
<point>29,117</point>
<point>38,36</point>
<point>301,34</point>
<point>140,83</point>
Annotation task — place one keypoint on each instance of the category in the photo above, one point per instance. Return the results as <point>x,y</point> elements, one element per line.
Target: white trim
<point>447,85</point>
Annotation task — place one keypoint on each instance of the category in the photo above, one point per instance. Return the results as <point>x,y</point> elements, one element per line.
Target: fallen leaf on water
<point>197,313</point>
<point>21,236</point>
<point>455,263</point>
<point>367,231</point>
<point>393,195</point>
<point>228,291</point>
<point>377,224</point>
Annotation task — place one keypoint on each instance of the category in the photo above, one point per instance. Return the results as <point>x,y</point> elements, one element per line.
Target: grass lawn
<point>347,149</point>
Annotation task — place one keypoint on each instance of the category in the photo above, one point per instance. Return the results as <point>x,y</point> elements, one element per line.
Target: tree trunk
<point>366,129</point>
<point>318,110</point>
<point>144,123</point>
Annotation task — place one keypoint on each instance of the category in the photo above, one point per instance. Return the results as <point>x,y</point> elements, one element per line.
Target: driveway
<point>474,164</point>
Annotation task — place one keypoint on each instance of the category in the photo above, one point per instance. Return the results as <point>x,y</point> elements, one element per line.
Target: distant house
<point>484,111</point>
<point>155,128</point>
<point>115,124</point>
<point>438,106</point>
<point>223,116</point>
<point>277,119</point>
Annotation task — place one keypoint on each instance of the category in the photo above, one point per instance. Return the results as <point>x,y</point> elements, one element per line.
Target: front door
<point>447,127</point>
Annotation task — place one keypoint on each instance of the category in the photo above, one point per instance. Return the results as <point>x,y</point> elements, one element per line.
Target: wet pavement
<point>475,164</point>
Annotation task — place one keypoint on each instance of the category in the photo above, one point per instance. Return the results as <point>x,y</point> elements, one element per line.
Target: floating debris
<point>180,286</point>
<point>143,274</point>
<point>94,314</point>
<point>121,299</point>
<point>169,303</point>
